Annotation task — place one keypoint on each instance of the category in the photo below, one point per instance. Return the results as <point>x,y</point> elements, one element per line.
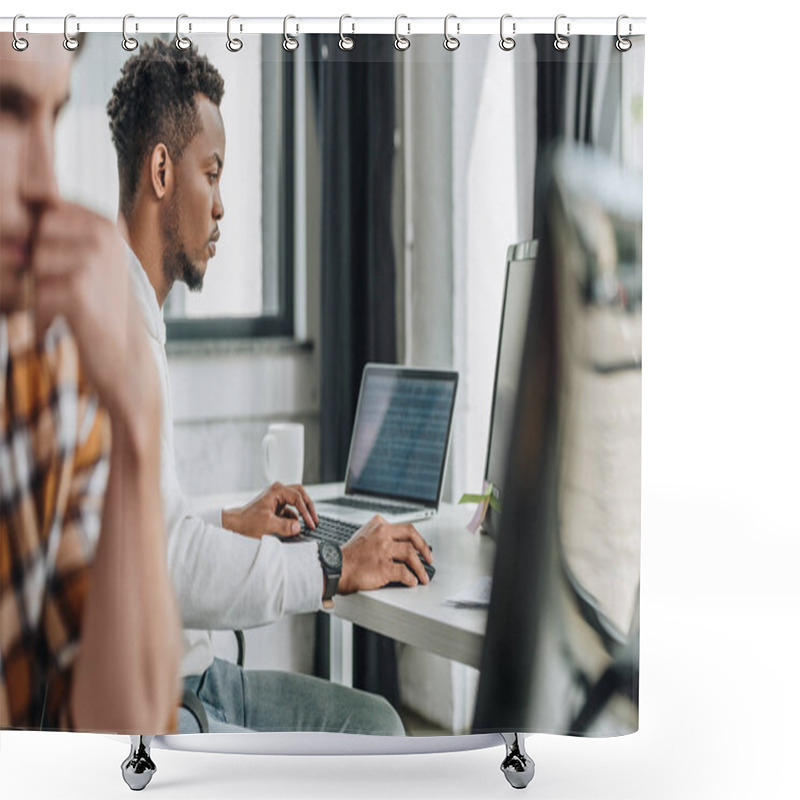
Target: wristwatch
<point>330,556</point>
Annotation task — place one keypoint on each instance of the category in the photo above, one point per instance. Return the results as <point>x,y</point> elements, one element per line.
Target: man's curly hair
<point>155,101</point>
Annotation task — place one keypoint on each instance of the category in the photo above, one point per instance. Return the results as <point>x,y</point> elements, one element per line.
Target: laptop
<point>399,446</point>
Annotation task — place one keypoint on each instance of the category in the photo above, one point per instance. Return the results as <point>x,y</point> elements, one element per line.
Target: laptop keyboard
<point>332,530</point>
<point>372,505</point>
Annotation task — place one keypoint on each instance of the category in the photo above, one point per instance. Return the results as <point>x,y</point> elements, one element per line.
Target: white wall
<point>224,395</point>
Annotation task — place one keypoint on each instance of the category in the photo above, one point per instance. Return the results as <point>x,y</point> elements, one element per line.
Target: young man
<point>89,629</point>
<point>170,140</point>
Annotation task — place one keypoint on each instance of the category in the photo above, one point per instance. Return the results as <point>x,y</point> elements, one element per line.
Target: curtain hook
<point>345,42</point>
<point>290,44</point>
<point>128,42</point>
<point>561,42</point>
<point>507,42</point>
<point>70,42</point>
<point>401,42</point>
<point>622,44</point>
<point>18,43</point>
<point>451,43</point>
<point>234,45</point>
<point>181,42</point>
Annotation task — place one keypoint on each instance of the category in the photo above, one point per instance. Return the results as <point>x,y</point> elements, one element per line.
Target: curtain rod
<point>406,26</point>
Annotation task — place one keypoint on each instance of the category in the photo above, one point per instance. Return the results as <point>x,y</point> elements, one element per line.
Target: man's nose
<point>39,180</point>
<point>217,210</point>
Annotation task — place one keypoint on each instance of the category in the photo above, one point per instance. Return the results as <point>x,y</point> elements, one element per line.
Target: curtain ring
<point>128,42</point>
<point>401,42</point>
<point>451,43</point>
<point>345,42</point>
<point>507,42</point>
<point>18,43</point>
<point>70,42</point>
<point>234,45</point>
<point>622,44</point>
<point>290,44</point>
<point>181,42</point>
<point>561,42</point>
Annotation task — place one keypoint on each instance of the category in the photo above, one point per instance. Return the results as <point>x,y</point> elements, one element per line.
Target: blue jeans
<point>238,700</point>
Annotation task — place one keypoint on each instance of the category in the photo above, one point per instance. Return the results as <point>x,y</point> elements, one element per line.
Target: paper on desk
<point>476,596</point>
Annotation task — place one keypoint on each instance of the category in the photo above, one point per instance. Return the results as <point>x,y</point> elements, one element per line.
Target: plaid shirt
<point>54,447</point>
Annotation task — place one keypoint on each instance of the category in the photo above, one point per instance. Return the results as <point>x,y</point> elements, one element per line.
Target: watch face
<point>331,555</point>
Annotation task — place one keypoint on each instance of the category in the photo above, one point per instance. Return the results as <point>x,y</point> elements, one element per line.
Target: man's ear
<point>160,170</point>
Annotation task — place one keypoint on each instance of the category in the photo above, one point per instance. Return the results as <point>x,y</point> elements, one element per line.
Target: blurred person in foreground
<point>89,629</point>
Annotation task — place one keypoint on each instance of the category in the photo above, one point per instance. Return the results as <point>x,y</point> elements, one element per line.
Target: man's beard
<point>177,264</point>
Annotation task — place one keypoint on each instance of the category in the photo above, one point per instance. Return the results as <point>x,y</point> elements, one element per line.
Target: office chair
<point>621,675</point>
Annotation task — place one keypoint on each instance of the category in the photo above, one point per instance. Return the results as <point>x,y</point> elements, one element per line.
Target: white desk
<point>415,616</point>
<point>419,616</point>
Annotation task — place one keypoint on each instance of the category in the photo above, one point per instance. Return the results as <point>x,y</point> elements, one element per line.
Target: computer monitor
<point>520,263</point>
<point>561,649</point>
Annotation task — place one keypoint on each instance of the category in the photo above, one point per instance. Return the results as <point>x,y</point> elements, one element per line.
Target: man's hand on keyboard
<point>272,512</point>
<point>380,553</point>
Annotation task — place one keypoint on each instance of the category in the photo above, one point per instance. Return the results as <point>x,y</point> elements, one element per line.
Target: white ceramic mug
<point>282,448</point>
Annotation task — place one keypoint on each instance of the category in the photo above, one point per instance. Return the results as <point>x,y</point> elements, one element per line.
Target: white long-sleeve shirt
<point>222,580</point>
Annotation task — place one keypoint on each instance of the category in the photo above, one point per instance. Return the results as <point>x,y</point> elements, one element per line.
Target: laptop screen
<point>401,433</point>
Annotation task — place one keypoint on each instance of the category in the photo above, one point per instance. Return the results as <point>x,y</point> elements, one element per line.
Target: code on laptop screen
<point>400,436</point>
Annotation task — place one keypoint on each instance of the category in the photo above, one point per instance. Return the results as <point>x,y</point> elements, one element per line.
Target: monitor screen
<point>401,433</point>
<point>516,303</point>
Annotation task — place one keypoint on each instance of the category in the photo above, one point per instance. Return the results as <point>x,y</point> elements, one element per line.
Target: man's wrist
<point>345,586</point>
<point>230,519</point>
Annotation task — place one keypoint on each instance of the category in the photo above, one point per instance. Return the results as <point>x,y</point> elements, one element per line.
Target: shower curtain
<point>360,210</point>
